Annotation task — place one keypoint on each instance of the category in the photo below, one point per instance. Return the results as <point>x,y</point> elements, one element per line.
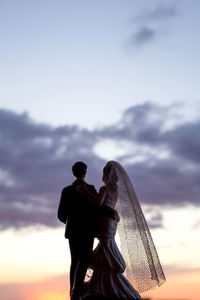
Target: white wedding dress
<point>140,258</point>
<point>107,263</point>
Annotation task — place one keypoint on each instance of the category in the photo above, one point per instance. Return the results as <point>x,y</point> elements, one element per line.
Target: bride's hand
<point>117,217</point>
<point>81,188</point>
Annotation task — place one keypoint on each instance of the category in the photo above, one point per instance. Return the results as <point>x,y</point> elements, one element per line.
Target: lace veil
<point>143,268</point>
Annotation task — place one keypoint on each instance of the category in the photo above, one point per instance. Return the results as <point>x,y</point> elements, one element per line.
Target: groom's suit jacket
<point>77,212</point>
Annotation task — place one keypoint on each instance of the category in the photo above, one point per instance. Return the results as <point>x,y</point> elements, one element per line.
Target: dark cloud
<point>158,13</point>
<point>185,141</point>
<point>143,35</point>
<point>169,170</point>
<point>149,24</point>
<point>36,159</point>
<point>35,162</point>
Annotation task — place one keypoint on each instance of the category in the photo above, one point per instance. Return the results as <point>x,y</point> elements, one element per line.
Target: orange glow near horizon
<point>180,286</point>
<point>54,296</point>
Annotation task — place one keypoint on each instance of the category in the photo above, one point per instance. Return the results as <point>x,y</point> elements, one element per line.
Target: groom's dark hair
<point>79,169</point>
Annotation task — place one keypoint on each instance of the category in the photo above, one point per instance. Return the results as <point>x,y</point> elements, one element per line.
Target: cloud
<point>143,35</point>
<point>158,13</point>
<point>35,162</point>
<point>149,24</point>
<point>163,160</point>
<point>154,218</point>
<point>161,156</point>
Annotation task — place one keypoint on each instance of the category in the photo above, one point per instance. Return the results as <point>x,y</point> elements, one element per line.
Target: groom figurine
<point>81,219</point>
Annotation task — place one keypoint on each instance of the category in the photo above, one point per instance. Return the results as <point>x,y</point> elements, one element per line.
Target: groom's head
<point>79,169</point>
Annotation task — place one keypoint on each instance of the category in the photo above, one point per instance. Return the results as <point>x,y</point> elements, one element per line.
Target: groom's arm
<point>103,209</point>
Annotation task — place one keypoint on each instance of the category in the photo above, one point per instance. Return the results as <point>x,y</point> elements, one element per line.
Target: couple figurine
<point>88,215</point>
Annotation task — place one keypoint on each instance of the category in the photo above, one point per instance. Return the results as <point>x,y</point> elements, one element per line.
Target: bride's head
<point>110,177</point>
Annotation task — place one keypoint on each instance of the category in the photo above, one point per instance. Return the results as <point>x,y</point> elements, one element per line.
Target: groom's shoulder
<point>67,188</point>
<point>89,185</point>
<point>92,188</point>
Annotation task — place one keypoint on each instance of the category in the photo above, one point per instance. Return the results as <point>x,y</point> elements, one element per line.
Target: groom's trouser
<point>81,249</point>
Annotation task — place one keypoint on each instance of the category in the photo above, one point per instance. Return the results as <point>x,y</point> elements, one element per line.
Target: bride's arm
<point>98,199</point>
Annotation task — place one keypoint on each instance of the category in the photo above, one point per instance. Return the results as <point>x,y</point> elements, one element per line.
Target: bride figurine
<point>138,259</point>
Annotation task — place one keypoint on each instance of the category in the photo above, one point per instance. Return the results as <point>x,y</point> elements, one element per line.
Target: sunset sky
<point>94,81</point>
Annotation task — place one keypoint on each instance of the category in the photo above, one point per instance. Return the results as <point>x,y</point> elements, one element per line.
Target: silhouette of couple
<point>88,215</point>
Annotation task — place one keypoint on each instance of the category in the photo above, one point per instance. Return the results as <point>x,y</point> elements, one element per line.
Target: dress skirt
<point>107,281</point>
